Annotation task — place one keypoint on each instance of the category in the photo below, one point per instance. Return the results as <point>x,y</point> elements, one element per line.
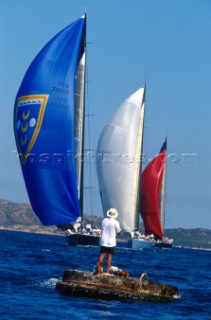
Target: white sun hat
<point>112,213</point>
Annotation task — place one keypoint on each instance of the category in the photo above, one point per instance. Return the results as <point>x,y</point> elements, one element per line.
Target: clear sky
<point>165,43</point>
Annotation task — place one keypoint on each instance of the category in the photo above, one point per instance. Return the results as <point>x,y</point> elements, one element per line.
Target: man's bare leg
<point>109,260</point>
<point>100,263</point>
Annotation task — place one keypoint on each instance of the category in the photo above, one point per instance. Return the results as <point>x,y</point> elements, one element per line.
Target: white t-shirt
<point>110,227</point>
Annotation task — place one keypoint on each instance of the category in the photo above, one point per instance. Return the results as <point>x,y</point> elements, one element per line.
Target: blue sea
<point>31,265</point>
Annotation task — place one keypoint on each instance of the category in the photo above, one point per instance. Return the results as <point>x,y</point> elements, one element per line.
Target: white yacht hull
<point>141,244</point>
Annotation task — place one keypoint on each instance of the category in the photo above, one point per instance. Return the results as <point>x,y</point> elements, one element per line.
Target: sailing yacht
<point>49,131</point>
<point>119,166</point>
<point>153,186</point>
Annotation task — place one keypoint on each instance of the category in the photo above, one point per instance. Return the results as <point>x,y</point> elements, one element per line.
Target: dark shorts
<point>110,250</point>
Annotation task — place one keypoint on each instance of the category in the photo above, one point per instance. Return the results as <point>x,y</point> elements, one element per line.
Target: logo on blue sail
<point>29,115</point>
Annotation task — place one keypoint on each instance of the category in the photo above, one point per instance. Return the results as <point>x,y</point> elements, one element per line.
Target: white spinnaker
<point>119,161</point>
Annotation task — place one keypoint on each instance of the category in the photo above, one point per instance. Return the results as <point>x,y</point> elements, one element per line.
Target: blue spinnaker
<point>44,127</point>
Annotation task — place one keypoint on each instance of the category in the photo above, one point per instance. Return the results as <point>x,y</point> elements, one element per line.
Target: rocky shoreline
<point>34,229</point>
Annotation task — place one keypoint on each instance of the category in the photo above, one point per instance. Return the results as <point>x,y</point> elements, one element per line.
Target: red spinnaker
<point>151,180</point>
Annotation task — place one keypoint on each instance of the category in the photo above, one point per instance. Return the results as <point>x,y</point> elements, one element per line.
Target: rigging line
<point>144,151</point>
<point>89,135</point>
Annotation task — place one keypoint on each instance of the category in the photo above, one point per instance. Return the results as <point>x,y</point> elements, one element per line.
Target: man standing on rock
<point>109,230</point>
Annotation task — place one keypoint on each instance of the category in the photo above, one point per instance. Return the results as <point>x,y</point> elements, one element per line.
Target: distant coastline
<point>20,217</point>
<point>35,229</point>
<point>57,232</point>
